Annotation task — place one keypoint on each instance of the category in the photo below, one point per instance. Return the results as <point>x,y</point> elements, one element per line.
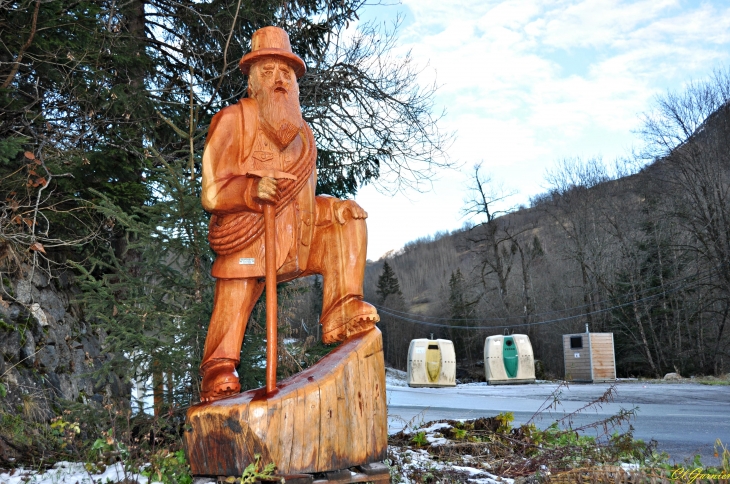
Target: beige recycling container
<point>431,363</point>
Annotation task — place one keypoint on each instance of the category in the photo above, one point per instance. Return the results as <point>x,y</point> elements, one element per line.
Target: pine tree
<point>460,308</point>
<point>457,303</point>
<point>388,284</point>
<point>317,293</point>
<point>105,111</point>
<point>71,107</point>
<point>396,333</point>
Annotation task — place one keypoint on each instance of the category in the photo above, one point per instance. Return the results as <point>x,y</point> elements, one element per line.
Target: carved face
<point>273,84</point>
<point>274,74</point>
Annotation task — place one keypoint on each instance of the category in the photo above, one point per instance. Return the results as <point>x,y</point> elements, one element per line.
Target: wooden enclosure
<point>589,357</point>
<point>329,417</point>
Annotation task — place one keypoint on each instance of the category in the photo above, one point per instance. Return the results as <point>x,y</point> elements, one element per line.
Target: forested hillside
<point>641,250</point>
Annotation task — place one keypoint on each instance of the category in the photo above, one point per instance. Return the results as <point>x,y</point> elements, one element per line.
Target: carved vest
<point>237,238</point>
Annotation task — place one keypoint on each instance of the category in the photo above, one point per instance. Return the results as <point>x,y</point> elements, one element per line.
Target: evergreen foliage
<point>458,306</point>
<point>316,295</point>
<point>105,109</point>
<point>388,284</point>
<point>154,299</point>
<point>460,309</point>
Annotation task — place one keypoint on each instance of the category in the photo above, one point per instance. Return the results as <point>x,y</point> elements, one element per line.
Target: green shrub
<point>169,468</point>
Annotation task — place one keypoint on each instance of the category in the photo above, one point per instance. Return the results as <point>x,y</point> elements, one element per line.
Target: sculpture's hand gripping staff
<point>270,264</point>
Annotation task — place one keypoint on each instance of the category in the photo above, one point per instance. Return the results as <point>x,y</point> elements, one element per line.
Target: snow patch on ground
<point>74,473</point>
<point>485,384</point>
<point>418,463</point>
<point>427,430</point>
<point>421,463</point>
<point>395,378</point>
<point>436,440</point>
<point>480,476</point>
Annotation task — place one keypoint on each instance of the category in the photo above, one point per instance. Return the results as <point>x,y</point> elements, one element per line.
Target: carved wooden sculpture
<point>259,171</point>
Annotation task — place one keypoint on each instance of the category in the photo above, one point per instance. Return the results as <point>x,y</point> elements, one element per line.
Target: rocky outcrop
<point>48,351</point>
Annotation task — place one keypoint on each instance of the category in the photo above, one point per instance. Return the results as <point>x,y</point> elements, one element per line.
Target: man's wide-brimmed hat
<point>272,42</point>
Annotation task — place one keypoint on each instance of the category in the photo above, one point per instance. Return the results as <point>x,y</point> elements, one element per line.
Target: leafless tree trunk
<point>689,134</point>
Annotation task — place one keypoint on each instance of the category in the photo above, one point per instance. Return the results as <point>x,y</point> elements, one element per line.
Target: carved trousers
<point>337,253</point>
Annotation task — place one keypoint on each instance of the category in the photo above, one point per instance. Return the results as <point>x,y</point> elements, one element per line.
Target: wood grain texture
<point>577,369</point>
<point>367,410</point>
<point>328,441</point>
<point>310,447</point>
<point>603,357</point>
<point>596,362</point>
<point>331,416</point>
<point>380,409</point>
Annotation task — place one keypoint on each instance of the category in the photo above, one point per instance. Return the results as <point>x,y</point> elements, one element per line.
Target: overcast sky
<point>528,82</point>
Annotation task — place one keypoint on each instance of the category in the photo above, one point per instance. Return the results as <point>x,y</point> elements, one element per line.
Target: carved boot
<point>220,379</point>
<point>348,318</point>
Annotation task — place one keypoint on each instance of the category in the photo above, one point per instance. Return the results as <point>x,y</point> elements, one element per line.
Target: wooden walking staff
<point>270,265</point>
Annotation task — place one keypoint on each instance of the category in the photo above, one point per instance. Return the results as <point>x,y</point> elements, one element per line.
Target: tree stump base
<point>329,417</point>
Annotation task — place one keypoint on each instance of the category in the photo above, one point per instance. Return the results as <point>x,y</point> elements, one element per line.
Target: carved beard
<point>280,114</point>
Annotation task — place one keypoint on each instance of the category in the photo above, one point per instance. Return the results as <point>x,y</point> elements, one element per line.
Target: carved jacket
<point>237,145</point>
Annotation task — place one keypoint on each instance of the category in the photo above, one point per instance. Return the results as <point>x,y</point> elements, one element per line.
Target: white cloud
<point>598,23</point>
<point>526,82</point>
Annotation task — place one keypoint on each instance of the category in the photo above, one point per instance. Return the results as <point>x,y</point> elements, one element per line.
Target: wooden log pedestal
<point>329,417</point>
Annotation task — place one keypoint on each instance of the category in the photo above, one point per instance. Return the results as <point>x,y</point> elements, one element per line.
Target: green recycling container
<point>509,356</point>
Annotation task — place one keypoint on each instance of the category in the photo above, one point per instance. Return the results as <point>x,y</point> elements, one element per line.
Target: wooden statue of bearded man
<point>265,133</point>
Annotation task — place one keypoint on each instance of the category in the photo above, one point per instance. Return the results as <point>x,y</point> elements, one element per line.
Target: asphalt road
<point>684,418</point>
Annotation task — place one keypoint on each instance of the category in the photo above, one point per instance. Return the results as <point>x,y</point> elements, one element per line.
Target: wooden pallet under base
<point>330,416</point>
<point>376,472</point>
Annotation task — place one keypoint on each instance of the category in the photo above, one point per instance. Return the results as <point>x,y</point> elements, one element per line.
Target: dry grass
<point>610,474</point>
<point>34,407</point>
<point>712,380</point>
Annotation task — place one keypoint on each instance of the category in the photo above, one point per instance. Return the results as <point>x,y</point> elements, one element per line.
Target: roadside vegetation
<point>722,380</point>
<point>97,438</point>
<point>494,450</point>
<point>455,451</point>
<point>446,451</point>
